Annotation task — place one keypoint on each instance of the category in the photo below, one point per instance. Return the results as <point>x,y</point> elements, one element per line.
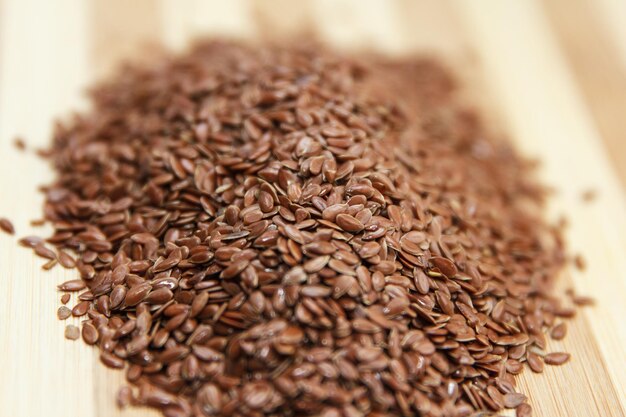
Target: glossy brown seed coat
<point>7,226</point>
<point>287,231</point>
<point>556,358</point>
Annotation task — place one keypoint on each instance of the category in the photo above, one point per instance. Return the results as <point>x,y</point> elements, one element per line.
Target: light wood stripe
<point>43,66</point>
<point>537,96</point>
<point>121,30</point>
<point>595,58</point>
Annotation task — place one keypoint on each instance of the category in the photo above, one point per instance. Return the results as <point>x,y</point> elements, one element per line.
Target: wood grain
<point>506,51</point>
<point>595,59</point>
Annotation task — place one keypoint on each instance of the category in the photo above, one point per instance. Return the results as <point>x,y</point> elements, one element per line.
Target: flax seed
<point>72,332</point>
<point>285,231</point>
<point>7,226</point>
<point>63,313</point>
<point>559,331</point>
<point>556,358</point>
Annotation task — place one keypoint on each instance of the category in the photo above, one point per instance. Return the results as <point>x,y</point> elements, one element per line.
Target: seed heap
<point>282,231</point>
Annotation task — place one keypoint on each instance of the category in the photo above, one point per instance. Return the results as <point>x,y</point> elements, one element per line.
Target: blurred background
<point>58,47</point>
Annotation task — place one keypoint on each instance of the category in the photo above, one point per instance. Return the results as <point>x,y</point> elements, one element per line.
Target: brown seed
<point>90,334</point>
<point>556,358</point>
<point>513,399</point>
<point>137,344</point>
<point>524,410</point>
<point>63,313</point>
<point>588,195</point>
<point>73,285</point>
<point>44,252</point>
<point>369,249</point>
<point>137,294</point>
<point>49,265</point>
<point>65,298</point>
<point>110,359</point>
<point>559,331</point>
<point>66,260</point>
<point>158,296</point>
<point>580,263</point>
<point>349,223</point>
<point>7,226</point>
<point>19,143</point>
<point>72,332</point>
<point>583,301</point>
<point>30,241</point>
<point>535,362</point>
<point>266,202</point>
<point>81,308</point>
<point>124,397</point>
<point>443,265</point>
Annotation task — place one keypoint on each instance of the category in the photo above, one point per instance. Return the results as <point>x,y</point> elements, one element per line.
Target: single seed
<point>73,285</point>
<point>559,331</point>
<point>556,358</point>
<point>72,332</point>
<point>349,223</point>
<point>7,226</point>
<point>124,397</point>
<point>63,313</point>
<point>90,334</point>
<point>81,308</point>
<point>535,362</point>
<point>524,410</point>
<point>66,260</point>
<point>44,252</point>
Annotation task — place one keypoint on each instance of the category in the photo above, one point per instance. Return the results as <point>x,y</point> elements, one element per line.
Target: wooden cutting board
<point>505,51</point>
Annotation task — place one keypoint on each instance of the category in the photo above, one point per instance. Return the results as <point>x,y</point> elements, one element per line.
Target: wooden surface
<point>550,78</point>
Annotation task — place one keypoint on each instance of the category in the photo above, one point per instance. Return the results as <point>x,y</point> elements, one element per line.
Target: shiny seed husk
<point>277,231</point>
<point>7,226</point>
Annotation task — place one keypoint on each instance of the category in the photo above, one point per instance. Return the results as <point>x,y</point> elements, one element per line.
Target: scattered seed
<point>73,285</point>
<point>588,195</point>
<point>44,252</point>
<point>63,313</point>
<point>19,143</point>
<point>556,358</point>
<point>81,308</point>
<point>90,334</point>
<point>7,226</point>
<point>445,266</point>
<point>581,300</point>
<point>559,331</point>
<point>524,410</point>
<point>72,332</point>
<point>535,362</point>
<point>124,397</point>
<point>66,260</point>
<point>109,359</point>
